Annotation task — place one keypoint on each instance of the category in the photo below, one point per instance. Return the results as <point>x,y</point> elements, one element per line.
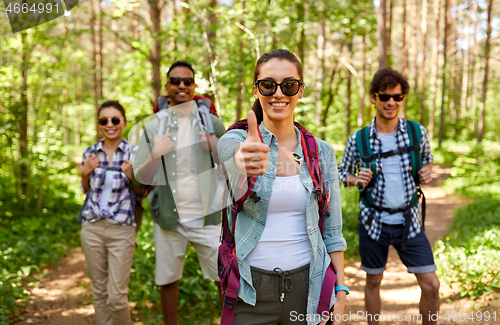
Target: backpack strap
<point>366,153</point>
<point>416,162</point>
<point>204,115</point>
<point>415,136</point>
<point>163,103</point>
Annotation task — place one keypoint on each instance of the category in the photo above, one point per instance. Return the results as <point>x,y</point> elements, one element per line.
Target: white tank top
<point>284,242</point>
<point>106,190</point>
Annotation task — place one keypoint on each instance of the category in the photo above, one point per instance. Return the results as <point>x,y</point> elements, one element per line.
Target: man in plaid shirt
<point>382,224</point>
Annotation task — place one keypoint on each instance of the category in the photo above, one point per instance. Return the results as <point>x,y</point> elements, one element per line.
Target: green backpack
<point>369,161</point>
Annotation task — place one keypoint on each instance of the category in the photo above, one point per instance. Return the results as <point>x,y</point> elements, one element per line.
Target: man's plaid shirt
<point>119,205</point>
<point>351,161</point>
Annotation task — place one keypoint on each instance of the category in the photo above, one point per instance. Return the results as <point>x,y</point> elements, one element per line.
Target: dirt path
<point>63,296</point>
<point>400,293</point>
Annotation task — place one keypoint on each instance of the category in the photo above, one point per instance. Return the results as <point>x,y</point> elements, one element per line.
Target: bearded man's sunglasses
<point>288,87</point>
<point>176,81</point>
<point>387,97</point>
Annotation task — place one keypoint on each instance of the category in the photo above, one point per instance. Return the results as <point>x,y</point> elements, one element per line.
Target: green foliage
<point>469,255</point>
<point>443,156</point>
<point>198,298</point>
<point>30,242</point>
<point>475,174</point>
<point>350,211</point>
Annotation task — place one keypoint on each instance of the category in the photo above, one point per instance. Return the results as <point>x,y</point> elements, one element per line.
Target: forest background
<point>54,76</point>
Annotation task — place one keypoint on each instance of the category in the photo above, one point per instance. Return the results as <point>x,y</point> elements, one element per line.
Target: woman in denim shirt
<point>282,255</point>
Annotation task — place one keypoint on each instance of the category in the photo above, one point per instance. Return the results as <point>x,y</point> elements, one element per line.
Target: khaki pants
<point>108,250</point>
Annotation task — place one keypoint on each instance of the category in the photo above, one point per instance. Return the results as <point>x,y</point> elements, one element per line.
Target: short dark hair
<point>180,64</point>
<point>388,78</point>
<point>112,103</point>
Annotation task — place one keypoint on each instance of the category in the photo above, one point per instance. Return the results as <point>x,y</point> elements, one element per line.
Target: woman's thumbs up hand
<point>251,156</point>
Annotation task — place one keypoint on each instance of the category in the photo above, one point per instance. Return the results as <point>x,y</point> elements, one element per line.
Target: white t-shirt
<point>189,203</point>
<point>394,188</point>
<point>106,191</point>
<point>284,242</point>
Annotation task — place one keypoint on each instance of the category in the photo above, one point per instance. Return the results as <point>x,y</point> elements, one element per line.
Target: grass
<point>468,257</point>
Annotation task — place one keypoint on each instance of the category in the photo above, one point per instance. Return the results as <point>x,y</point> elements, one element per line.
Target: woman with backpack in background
<point>108,220</point>
<point>283,257</point>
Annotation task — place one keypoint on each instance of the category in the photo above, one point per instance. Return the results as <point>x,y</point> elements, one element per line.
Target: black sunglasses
<point>104,120</point>
<point>387,97</point>
<point>176,81</point>
<point>269,87</point>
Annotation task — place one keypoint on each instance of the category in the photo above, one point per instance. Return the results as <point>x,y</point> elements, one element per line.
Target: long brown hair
<point>280,54</point>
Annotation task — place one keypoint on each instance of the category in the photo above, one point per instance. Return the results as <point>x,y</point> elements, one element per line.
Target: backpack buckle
<point>255,197</point>
<point>222,270</point>
<point>229,303</point>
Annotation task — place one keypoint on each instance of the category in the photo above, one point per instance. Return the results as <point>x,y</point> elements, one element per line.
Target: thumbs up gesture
<point>251,156</point>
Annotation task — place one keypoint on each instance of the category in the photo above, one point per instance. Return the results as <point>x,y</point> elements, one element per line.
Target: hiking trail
<point>63,296</point>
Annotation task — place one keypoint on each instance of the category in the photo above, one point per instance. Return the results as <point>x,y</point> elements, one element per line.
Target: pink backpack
<point>229,273</point>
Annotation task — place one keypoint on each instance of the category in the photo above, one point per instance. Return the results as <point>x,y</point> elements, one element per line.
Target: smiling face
<point>387,110</point>
<point>181,93</point>
<point>111,131</point>
<point>278,107</point>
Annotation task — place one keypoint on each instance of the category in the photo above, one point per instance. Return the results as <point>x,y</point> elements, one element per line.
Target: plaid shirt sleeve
<point>85,156</point>
<point>425,147</point>
<point>350,160</point>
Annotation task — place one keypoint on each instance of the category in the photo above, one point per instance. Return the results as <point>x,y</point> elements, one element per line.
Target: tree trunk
<point>210,44</point>
<point>445,43</point>
<point>382,41</point>
<point>241,89</point>
<point>135,23</point>
<point>301,13</point>
<point>331,94</point>
<point>414,42</point>
<point>452,59</point>
<point>320,53</point>
<point>487,49</point>
<point>99,58</point>
<point>435,66</point>
<point>347,100</point>
<point>474,65</point>
<point>362,89</point>
<point>23,120</point>
<point>423,75</point>
<point>389,32</point>
<point>406,40</point>
<point>79,76</point>
<point>465,74</point>
<point>92,25</point>
<point>155,57</point>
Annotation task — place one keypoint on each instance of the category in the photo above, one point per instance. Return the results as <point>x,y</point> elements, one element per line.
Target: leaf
<point>26,270</point>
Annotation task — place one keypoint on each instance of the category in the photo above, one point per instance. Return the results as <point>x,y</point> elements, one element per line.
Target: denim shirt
<point>251,221</point>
